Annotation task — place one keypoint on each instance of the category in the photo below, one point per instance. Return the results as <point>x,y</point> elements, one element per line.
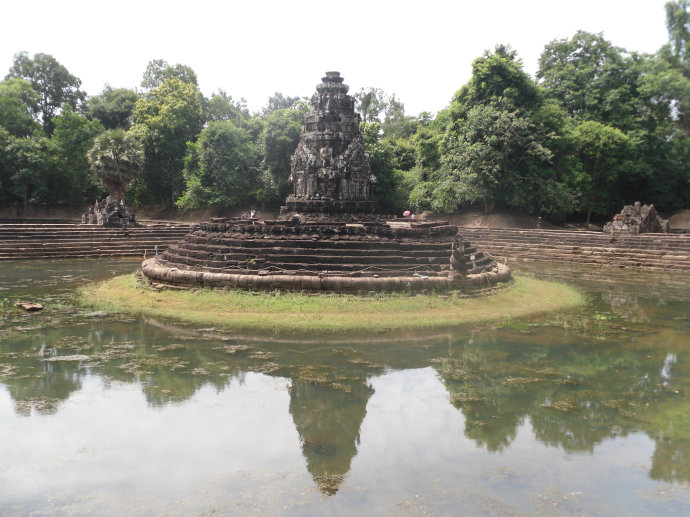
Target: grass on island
<point>274,311</point>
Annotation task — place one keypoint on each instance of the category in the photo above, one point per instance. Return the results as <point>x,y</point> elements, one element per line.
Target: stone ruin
<point>110,213</point>
<point>329,169</point>
<point>636,219</point>
<point>326,237</point>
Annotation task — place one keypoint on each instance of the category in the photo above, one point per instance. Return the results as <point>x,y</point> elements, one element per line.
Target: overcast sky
<point>421,50</point>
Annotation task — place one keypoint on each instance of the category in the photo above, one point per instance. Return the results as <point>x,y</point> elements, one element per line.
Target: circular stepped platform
<point>323,255</point>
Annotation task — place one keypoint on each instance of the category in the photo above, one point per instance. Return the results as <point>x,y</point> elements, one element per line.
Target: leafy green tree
<point>278,101</point>
<point>393,186</point>
<point>280,138</point>
<point>427,154</point>
<point>375,105</point>
<point>69,181</point>
<point>594,80</point>
<point>158,71</point>
<point>666,81</point>
<point>18,101</point>
<point>669,79</point>
<point>602,150</point>
<point>403,152</point>
<point>396,124</point>
<point>646,97</point>
<point>498,75</point>
<point>165,119</point>
<point>114,107</point>
<point>588,76</point>
<point>370,103</point>
<point>221,169</point>
<point>22,162</point>
<point>52,81</point>
<point>491,156</point>
<point>116,158</point>
<point>496,146</point>
<point>668,90</point>
<point>221,106</point>
<point>421,196</point>
<point>678,26</point>
<point>5,166</point>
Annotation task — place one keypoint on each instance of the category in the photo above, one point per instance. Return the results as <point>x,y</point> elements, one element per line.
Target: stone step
<point>352,268</point>
<point>585,249</point>
<point>49,240</point>
<point>87,226</point>
<point>654,248</point>
<point>31,240</point>
<point>77,254</point>
<point>310,259</point>
<point>308,242</point>
<point>106,231</point>
<point>600,238</point>
<point>564,236</point>
<point>71,242</point>
<point>391,250</point>
<point>482,243</point>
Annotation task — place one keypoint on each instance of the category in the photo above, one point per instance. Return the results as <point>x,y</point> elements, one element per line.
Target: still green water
<point>583,413</point>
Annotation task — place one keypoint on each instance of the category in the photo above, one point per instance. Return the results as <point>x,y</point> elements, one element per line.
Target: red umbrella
<point>406,213</point>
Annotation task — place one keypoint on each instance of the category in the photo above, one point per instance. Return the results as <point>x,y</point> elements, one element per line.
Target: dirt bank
<point>472,219</point>
<point>493,220</point>
<point>681,220</point>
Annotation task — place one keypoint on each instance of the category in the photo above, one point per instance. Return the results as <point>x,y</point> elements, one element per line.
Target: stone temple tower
<point>326,237</point>
<point>330,170</point>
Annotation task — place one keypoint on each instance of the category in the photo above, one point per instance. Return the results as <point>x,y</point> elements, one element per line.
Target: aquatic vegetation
<point>273,311</point>
<point>42,405</point>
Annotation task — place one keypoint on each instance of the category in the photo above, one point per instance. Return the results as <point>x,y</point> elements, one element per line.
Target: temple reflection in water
<point>574,393</point>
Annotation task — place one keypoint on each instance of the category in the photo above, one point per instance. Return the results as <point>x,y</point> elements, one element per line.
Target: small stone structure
<point>326,237</point>
<point>329,169</point>
<point>636,219</point>
<point>110,213</point>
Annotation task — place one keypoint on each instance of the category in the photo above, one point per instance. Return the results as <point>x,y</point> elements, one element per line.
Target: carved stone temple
<point>330,169</point>
<point>326,237</point>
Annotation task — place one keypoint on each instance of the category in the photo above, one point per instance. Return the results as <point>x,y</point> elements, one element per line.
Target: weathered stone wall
<point>159,272</point>
<point>636,219</point>
<point>330,170</point>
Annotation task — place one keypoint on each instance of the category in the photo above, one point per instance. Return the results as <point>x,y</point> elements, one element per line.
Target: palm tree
<point>116,158</point>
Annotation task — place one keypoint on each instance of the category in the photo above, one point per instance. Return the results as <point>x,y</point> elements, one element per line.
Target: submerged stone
<point>29,306</point>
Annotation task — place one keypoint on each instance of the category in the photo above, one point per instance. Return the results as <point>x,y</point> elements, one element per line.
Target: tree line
<point>597,128</point>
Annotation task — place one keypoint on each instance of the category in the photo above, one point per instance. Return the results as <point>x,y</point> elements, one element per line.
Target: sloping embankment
<point>34,240</point>
<point>651,251</point>
<point>669,252</point>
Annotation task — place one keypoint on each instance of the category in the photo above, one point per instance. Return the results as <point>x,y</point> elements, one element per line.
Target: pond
<point>578,413</point>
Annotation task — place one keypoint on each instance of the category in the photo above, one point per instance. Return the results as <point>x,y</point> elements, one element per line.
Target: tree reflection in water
<point>577,379</point>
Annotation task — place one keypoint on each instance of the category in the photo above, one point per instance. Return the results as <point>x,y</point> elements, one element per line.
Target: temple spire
<point>330,170</point>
